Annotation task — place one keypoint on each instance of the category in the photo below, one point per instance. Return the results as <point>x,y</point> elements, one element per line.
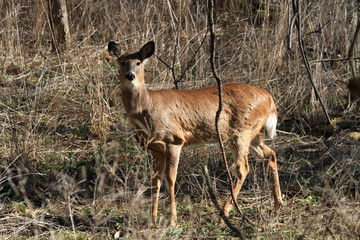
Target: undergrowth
<point>70,167</point>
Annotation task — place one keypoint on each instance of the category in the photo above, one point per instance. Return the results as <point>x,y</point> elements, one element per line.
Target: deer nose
<point>130,76</point>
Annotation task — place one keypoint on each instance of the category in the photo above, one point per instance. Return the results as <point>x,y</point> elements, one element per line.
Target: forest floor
<point>68,173</point>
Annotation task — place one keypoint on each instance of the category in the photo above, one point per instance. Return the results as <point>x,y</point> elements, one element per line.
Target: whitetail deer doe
<point>168,120</point>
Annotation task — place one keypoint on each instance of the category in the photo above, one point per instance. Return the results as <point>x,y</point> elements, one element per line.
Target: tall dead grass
<point>70,166</point>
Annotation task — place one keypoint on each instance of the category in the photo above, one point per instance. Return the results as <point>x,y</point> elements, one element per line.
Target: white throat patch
<point>131,85</point>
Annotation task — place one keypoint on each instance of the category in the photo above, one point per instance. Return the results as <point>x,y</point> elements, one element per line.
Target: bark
<point>59,25</point>
<point>354,82</point>
<point>38,22</point>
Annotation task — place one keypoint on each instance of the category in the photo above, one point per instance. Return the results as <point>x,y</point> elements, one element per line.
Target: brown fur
<point>168,120</point>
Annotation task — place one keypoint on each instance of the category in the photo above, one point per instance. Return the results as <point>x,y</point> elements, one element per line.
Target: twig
<point>163,62</point>
<point>172,22</point>
<point>71,215</point>
<point>296,6</point>
<point>331,233</point>
<point>172,68</point>
<point>217,117</point>
<point>19,41</point>
<point>287,133</point>
<point>216,203</point>
<point>291,26</point>
<point>319,30</point>
<point>174,60</point>
<point>333,60</point>
<point>212,63</point>
<point>188,65</point>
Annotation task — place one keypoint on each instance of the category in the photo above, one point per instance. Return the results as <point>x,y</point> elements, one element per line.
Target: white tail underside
<point>270,125</point>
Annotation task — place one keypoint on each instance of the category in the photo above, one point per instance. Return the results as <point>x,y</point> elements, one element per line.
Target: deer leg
<point>158,169</point>
<point>260,150</point>
<point>272,166</point>
<point>242,169</point>
<point>172,161</point>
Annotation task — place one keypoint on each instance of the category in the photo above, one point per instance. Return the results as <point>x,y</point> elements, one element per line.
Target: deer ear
<point>114,49</point>
<point>147,50</point>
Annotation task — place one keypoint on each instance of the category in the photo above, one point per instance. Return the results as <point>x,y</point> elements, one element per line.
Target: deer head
<point>131,65</point>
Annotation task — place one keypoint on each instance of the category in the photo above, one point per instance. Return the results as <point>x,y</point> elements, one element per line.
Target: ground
<point>70,167</point>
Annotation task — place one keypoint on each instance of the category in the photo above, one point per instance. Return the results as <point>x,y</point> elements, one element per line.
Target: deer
<point>167,120</point>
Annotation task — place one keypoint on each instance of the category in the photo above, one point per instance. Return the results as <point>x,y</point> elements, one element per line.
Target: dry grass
<point>71,169</point>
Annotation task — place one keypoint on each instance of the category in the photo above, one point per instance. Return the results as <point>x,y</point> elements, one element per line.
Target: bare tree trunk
<point>39,21</point>
<point>65,23</point>
<point>354,82</point>
<point>59,25</point>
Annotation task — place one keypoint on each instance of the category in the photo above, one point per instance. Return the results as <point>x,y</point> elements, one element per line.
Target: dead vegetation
<point>71,168</point>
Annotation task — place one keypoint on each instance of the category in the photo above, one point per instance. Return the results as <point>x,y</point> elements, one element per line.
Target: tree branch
<point>172,68</point>
<point>188,65</point>
<point>174,59</point>
<point>218,113</point>
<point>216,203</point>
<point>296,6</point>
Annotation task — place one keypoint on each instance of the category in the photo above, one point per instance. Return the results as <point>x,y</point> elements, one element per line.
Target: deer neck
<point>136,101</point>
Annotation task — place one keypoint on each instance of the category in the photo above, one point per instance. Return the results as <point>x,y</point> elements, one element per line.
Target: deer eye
<point>123,64</point>
<point>138,63</point>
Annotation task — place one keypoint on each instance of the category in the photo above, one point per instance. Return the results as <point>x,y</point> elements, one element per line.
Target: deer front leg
<point>172,161</point>
<point>158,169</point>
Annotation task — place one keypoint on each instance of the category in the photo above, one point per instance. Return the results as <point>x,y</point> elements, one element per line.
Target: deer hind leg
<point>261,151</point>
<point>158,169</point>
<point>172,161</point>
<point>239,153</point>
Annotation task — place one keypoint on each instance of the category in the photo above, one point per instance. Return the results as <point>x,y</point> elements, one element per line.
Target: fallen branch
<point>333,60</point>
